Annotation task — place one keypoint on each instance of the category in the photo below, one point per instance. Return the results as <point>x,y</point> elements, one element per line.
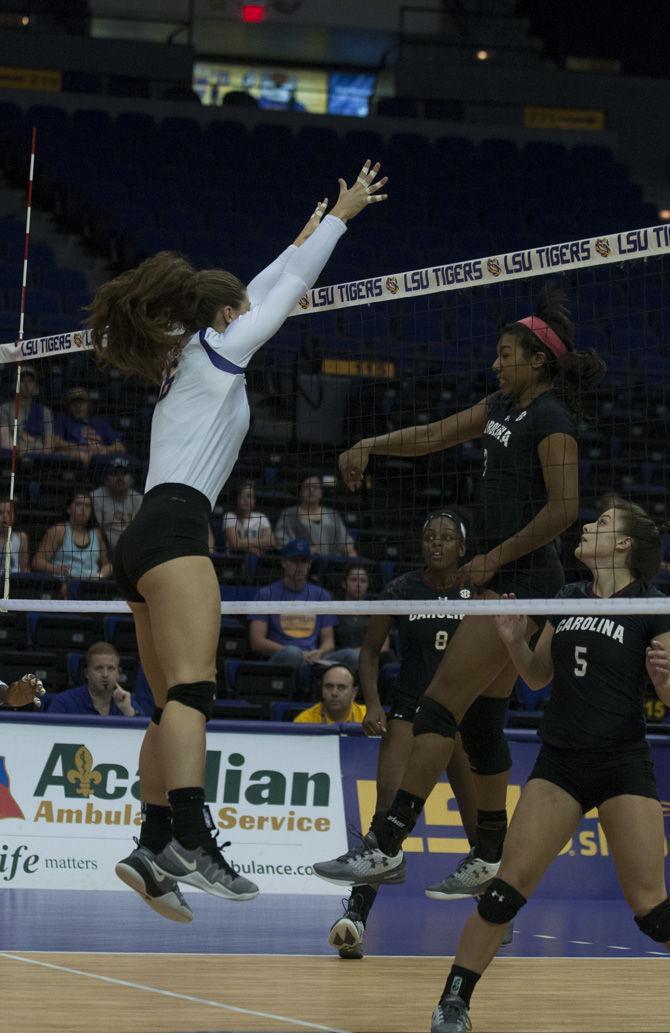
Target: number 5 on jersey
<point>580,661</point>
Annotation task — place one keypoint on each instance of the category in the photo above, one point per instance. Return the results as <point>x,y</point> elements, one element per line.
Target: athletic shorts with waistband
<point>593,776</point>
<point>173,521</point>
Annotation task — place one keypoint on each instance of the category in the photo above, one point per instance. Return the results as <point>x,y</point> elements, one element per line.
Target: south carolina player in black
<point>528,494</point>
<point>197,330</point>
<point>422,640</point>
<point>593,753</point>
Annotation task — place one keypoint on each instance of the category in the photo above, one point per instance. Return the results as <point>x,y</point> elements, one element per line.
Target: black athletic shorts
<point>403,705</point>
<point>173,521</point>
<point>539,576</point>
<point>594,776</point>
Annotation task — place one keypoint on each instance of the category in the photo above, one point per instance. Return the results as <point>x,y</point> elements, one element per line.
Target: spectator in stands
<point>337,704</point>
<point>244,527</point>
<point>101,692</point>
<point>322,527</point>
<point>18,544</point>
<point>76,548</point>
<point>115,503</point>
<point>81,433</point>
<point>351,627</point>
<point>295,639</point>
<point>36,427</point>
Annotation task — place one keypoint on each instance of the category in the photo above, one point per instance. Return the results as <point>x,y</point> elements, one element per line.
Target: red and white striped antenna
<point>17,397</point>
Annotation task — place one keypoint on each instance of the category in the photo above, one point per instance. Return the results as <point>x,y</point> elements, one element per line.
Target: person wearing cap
<point>82,434</point>
<point>115,503</point>
<point>36,422</point>
<point>291,638</point>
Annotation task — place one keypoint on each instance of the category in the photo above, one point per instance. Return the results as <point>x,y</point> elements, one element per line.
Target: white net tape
<point>391,607</point>
<point>514,265</point>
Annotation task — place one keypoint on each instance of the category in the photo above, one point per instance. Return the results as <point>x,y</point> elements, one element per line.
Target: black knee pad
<point>431,717</point>
<point>156,715</point>
<point>200,695</point>
<point>500,903</point>
<point>483,736</point>
<point>657,923</point>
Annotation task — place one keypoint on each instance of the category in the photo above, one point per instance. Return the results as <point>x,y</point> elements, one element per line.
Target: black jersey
<point>422,638</point>
<point>511,490</point>
<point>599,673</point>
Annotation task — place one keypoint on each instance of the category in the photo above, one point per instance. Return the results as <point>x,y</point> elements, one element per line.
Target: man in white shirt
<point>115,503</point>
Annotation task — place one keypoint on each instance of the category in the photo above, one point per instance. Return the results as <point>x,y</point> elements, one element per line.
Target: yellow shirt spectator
<point>317,715</point>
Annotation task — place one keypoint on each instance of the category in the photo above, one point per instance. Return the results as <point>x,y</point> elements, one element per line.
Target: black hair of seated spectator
<point>331,667</point>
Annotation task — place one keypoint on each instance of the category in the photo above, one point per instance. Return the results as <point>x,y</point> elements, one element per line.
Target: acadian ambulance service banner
<point>69,804</point>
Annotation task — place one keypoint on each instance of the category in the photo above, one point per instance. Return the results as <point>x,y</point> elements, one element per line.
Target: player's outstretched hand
<point>511,626</point>
<point>364,191</point>
<point>311,224</point>
<point>353,463</point>
<point>22,693</point>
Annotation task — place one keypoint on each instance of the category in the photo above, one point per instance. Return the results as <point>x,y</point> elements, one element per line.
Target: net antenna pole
<point>17,397</point>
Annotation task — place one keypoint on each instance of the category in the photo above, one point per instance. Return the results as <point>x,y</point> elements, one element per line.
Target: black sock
<point>361,900</point>
<point>460,983</point>
<point>491,829</point>
<point>399,821</point>
<point>156,830</point>
<point>377,823</point>
<point>190,816</point>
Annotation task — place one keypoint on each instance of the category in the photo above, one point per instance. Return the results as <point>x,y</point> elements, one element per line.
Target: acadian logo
<point>70,768</point>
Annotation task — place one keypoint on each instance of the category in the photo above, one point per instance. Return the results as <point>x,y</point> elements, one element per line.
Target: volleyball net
<point>355,359</point>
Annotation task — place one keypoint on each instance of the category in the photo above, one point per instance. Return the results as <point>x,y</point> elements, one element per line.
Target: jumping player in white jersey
<point>194,332</point>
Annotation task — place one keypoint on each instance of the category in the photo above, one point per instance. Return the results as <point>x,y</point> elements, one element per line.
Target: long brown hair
<point>137,319</point>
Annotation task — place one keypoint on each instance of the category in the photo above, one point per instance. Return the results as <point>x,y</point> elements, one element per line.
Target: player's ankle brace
<point>399,821</point>
<point>200,695</point>
<point>431,717</point>
<point>656,924</point>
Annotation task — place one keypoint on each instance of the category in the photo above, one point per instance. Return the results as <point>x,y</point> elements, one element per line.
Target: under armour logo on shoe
<point>395,821</point>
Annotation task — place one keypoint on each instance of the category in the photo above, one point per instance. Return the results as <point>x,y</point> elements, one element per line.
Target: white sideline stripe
<point>171,993</point>
<point>543,936</point>
<point>468,607</point>
<point>613,947</point>
<point>584,943</point>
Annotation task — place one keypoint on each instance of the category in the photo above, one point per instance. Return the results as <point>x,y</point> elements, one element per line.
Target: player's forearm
<point>368,672</point>
<point>267,278</point>
<point>663,692</point>
<point>307,261</point>
<point>408,441</point>
<point>553,519</point>
<point>534,672</point>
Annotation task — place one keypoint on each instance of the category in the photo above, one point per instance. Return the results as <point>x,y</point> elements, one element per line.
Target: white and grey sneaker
<point>451,1016</point>
<point>364,864</point>
<point>346,934</point>
<point>470,879</point>
<point>206,868</point>
<point>159,891</point>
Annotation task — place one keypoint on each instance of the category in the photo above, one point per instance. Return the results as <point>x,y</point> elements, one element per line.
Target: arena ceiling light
<point>252,12</point>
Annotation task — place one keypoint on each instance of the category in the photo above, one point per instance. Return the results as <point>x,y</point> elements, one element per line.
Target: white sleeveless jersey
<point>202,414</point>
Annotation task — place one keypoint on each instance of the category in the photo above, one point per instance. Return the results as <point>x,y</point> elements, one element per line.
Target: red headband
<point>548,337</point>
